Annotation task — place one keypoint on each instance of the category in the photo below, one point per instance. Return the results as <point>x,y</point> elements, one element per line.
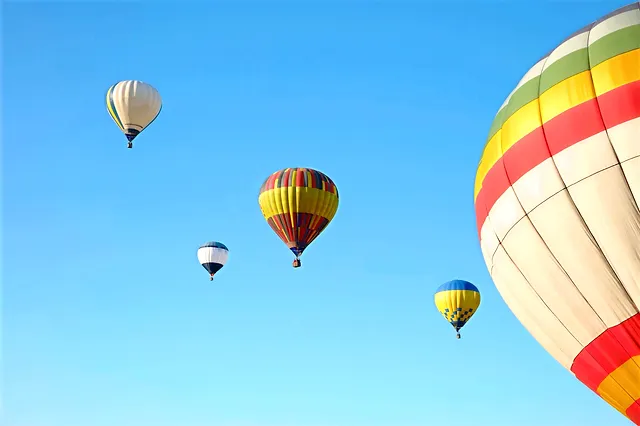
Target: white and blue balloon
<point>213,256</point>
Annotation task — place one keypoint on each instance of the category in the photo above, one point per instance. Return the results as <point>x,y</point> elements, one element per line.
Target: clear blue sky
<point>110,320</point>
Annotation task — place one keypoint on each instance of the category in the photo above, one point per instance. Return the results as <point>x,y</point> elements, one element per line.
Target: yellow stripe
<point>617,71</point>
<point>565,95</point>
<point>622,387</point>
<point>491,151</point>
<point>112,113</point>
<point>453,299</point>
<point>608,75</point>
<point>298,200</point>
<point>520,124</point>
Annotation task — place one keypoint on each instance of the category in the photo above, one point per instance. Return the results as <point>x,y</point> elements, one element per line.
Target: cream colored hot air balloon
<point>133,105</point>
<point>556,198</point>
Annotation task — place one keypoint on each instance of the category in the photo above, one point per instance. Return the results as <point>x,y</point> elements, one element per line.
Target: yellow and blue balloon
<point>457,301</point>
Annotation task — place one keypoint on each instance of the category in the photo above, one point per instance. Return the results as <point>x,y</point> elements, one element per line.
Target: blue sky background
<point>110,320</point>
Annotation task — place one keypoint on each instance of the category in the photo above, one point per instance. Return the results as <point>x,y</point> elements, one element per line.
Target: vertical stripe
<point>112,109</point>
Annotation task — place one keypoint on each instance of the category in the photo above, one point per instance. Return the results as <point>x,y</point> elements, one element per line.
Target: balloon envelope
<point>457,301</point>
<point>133,105</point>
<point>298,204</point>
<point>213,256</point>
<point>556,198</point>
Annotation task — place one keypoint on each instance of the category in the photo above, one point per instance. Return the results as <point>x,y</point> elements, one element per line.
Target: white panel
<point>568,238</point>
<point>505,213</point>
<point>573,44</point>
<point>528,251</point>
<point>538,185</point>
<point>615,23</point>
<point>532,73</point>
<point>532,312</point>
<point>137,103</point>
<point>608,208</point>
<point>631,169</point>
<point>212,255</point>
<point>488,243</point>
<point>585,158</point>
<point>625,138</point>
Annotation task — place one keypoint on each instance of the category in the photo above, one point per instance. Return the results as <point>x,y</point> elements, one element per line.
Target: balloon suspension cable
<point>296,262</point>
<point>457,335</point>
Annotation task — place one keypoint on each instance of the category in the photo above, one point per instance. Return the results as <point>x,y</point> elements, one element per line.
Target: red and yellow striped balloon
<point>556,197</point>
<point>298,204</point>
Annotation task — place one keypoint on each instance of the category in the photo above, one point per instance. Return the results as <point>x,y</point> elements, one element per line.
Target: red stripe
<point>314,179</point>
<point>607,352</point>
<point>633,412</point>
<point>276,224</point>
<point>572,126</point>
<point>284,179</point>
<point>268,184</point>
<point>306,228</point>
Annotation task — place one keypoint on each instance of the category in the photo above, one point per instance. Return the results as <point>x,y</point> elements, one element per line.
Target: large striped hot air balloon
<point>556,197</point>
<point>457,301</point>
<point>298,204</point>
<point>133,105</point>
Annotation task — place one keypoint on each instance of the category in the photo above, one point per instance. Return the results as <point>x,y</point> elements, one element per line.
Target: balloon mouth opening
<point>295,249</point>
<point>131,134</point>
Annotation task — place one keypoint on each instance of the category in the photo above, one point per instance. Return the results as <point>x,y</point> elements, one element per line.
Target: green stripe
<point>614,44</point>
<point>568,66</point>
<point>113,112</point>
<point>497,122</point>
<point>525,94</point>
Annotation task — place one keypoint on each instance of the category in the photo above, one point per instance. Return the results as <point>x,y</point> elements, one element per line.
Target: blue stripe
<point>214,244</point>
<point>457,285</point>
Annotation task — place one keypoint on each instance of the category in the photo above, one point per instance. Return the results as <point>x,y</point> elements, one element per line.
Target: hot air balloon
<point>133,105</point>
<point>556,198</point>
<point>213,256</point>
<point>298,204</point>
<point>457,301</point>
